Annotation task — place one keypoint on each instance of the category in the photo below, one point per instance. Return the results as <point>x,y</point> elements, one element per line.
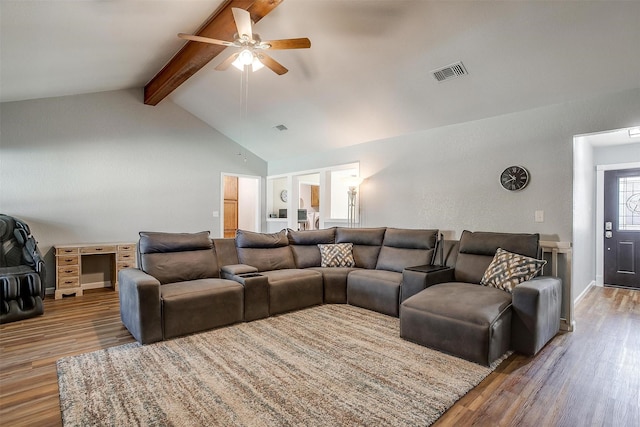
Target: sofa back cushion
<point>265,251</point>
<point>403,248</point>
<point>177,257</point>
<point>477,249</point>
<point>304,245</point>
<point>366,244</point>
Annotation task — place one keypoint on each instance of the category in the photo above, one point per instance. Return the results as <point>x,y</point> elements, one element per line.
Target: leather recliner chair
<point>22,272</point>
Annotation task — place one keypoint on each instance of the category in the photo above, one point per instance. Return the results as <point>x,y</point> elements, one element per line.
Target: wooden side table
<point>69,265</point>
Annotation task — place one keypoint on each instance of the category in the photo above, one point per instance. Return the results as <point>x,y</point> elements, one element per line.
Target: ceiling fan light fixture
<point>246,57</point>
<point>256,64</point>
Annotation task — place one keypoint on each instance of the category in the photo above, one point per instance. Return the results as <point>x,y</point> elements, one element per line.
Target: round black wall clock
<point>514,178</point>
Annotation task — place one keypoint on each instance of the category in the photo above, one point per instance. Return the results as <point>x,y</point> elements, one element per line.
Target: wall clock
<point>284,196</point>
<point>514,178</point>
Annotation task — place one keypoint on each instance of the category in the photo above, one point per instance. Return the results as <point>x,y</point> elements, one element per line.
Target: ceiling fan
<point>252,48</point>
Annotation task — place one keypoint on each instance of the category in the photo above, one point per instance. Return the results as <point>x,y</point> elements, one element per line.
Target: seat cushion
<point>335,283</point>
<point>467,320</point>
<point>198,305</point>
<point>465,302</point>
<point>293,289</point>
<point>377,290</point>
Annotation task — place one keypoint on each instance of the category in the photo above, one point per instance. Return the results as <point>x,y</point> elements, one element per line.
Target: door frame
<point>600,169</point>
<point>258,201</point>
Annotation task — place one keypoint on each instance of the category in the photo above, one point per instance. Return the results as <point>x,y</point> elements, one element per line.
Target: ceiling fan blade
<point>227,62</point>
<point>204,39</point>
<point>243,22</point>
<point>301,43</point>
<point>271,63</point>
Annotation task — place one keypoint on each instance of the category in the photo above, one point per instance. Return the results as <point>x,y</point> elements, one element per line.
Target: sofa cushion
<point>366,244</point>
<point>249,239</point>
<point>304,245</point>
<point>293,289</point>
<point>507,270</point>
<point>156,242</point>
<point>334,280</point>
<point>181,266</point>
<point>377,290</point>
<point>264,251</point>
<point>477,249</point>
<point>463,319</point>
<point>337,255</point>
<point>198,305</point>
<point>266,259</point>
<point>177,257</point>
<point>403,248</point>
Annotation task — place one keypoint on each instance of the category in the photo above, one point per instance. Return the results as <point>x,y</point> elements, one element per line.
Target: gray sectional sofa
<point>187,283</point>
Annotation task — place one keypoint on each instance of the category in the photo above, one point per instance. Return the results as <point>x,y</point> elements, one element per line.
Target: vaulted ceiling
<point>366,77</point>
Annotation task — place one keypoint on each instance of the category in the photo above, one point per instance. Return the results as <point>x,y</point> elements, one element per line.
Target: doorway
<point>622,228</point>
<point>240,204</point>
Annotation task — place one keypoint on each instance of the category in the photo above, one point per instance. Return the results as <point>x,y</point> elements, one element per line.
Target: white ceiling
<point>366,77</point>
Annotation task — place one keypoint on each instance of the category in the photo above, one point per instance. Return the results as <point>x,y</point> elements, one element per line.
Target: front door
<point>622,228</point>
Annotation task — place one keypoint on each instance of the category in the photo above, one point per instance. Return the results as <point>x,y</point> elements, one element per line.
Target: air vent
<point>450,72</point>
<point>281,127</point>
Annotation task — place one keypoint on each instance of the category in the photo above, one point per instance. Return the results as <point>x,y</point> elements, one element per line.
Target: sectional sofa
<point>188,283</point>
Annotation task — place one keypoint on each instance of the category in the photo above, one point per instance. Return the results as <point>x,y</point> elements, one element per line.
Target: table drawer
<point>68,260</point>
<point>125,264</point>
<point>126,256</point>
<point>127,247</point>
<point>97,249</point>
<point>66,251</point>
<point>69,271</point>
<point>68,282</point>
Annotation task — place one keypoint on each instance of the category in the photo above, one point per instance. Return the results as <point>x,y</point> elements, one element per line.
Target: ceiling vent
<point>450,72</point>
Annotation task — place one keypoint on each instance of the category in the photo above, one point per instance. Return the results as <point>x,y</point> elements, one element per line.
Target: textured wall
<point>104,166</point>
<point>448,177</point>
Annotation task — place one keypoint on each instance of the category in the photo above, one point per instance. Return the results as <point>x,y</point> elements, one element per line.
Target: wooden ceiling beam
<point>193,55</point>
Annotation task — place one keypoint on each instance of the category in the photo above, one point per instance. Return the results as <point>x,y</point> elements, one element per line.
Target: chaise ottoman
<point>463,319</point>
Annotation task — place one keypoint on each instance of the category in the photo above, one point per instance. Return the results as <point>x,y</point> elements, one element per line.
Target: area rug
<point>331,365</point>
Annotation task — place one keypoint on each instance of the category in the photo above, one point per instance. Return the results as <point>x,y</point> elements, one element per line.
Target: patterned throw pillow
<point>508,270</point>
<point>337,255</point>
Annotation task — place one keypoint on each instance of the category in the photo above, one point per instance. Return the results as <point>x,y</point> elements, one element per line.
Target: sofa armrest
<point>140,305</point>
<point>236,269</point>
<point>536,313</point>
<point>256,289</point>
<point>414,281</point>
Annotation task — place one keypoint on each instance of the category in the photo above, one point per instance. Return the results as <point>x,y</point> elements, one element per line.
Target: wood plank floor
<point>590,377</point>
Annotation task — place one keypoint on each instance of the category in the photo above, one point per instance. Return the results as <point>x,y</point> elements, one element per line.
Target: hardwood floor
<point>587,377</point>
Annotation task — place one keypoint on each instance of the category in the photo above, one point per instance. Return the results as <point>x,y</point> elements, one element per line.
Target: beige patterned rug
<point>331,365</point>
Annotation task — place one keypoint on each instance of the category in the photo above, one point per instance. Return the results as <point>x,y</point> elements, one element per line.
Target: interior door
<point>230,206</point>
<point>622,228</point>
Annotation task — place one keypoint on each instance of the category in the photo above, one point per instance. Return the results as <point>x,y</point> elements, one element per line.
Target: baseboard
<point>567,326</point>
<point>584,293</point>
<point>49,291</point>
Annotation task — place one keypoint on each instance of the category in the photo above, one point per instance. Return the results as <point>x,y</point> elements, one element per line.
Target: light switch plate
<point>539,216</point>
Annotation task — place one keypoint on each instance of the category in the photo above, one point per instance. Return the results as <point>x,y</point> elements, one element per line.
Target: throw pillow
<point>507,270</point>
<point>337,255</point>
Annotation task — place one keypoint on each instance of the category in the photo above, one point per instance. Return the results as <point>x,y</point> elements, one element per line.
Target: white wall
<point>614,154</point>
<point>584,192</point>
<point>448,177</point>
<point>104,166</point>
<point>248,206</point>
